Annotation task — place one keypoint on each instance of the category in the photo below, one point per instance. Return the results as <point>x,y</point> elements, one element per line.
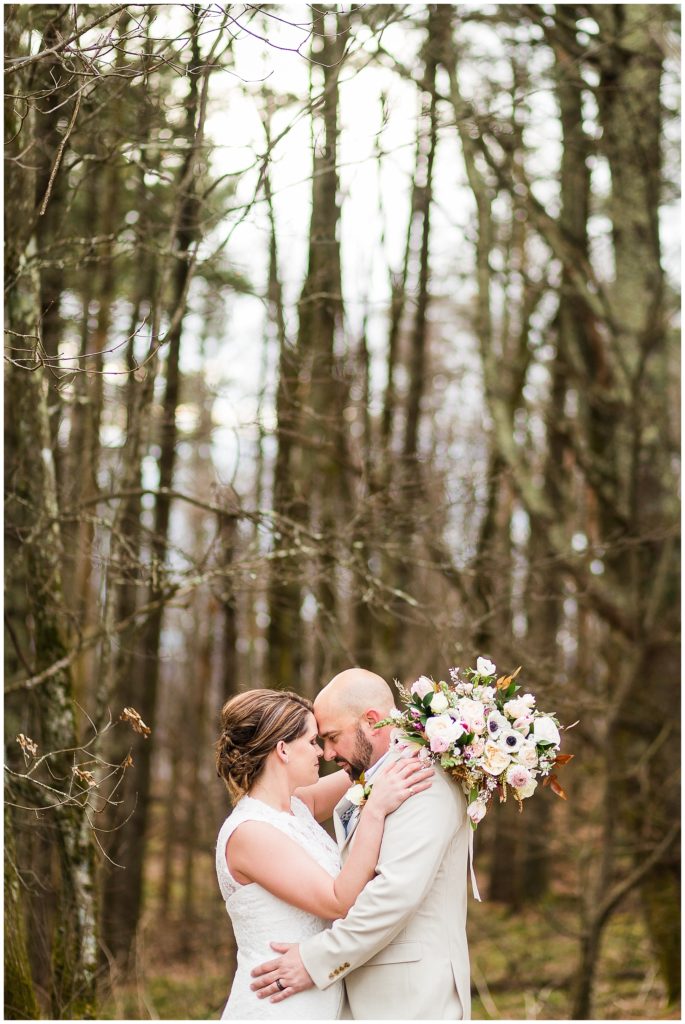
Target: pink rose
<point>522,724</point>
<point>398,740</point>
<point>441,732</point>
<point>476,811</point>
<point>439,743</point>
<point>422,687</point>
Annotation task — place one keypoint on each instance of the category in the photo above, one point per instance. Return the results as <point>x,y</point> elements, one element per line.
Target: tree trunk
<point>124,893</point>
<point>32,519</point>
<point>194,734</point>
<point>284,634</point>
<point>404,504</point>
<point>20,995</point>
<point>630,93</point>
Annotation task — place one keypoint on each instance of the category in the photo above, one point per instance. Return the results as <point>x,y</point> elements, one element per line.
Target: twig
<point>54,50</point>
<point>60,154</point>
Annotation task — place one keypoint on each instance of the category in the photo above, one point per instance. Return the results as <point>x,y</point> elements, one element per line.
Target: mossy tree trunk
<point>123,891</point>
<point>32,519</point>
<point>20,995</point>
<point>638,501</point>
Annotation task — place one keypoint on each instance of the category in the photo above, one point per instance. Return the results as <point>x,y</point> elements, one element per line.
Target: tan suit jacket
<point>402,947</point>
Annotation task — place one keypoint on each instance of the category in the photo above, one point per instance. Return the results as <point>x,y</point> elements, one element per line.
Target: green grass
<point>523,965</point>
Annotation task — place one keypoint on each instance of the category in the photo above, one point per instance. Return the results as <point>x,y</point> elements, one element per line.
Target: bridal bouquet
<point>483,731</point>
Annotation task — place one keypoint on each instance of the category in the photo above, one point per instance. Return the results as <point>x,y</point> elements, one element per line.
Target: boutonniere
<point>360,792</point>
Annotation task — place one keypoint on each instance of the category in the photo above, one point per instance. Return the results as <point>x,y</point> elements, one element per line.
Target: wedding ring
<point>279,985</point>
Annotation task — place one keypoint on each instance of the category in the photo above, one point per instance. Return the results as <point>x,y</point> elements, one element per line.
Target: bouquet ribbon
<point>474,883</point>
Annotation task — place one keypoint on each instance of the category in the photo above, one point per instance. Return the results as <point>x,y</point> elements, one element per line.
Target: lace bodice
<point>259,918</point>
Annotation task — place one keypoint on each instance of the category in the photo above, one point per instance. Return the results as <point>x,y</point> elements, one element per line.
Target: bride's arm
<point>257,852</point>
<point>322,797</point>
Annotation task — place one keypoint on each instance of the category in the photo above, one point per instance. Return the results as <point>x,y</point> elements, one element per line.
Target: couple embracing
<point>373,927</point>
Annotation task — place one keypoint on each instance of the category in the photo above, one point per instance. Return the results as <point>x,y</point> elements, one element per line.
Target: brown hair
<point>252,723</point>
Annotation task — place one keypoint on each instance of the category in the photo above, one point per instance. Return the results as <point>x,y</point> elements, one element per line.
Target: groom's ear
<point>372,716</point>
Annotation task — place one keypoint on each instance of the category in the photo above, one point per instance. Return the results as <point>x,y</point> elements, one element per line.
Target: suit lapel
<point>341,808</point>
<point>351,826</point>
<point>337,823</point>
<point>343,804</point>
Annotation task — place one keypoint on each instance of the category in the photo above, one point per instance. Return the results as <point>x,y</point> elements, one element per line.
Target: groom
<point>402,947</point>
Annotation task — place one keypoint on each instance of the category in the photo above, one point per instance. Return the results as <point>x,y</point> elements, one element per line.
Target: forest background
<point>337,335</point>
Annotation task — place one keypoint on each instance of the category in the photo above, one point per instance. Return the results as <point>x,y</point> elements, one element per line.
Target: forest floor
<point>522,964</point>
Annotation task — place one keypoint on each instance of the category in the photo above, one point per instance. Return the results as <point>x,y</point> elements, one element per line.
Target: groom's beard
<point>362,756</point>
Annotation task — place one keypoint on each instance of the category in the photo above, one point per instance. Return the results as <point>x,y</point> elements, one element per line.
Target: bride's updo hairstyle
<point>252,724</point>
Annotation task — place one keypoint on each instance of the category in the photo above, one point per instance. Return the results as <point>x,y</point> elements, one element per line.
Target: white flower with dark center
<point>495,724</point>
<point>509,740</point>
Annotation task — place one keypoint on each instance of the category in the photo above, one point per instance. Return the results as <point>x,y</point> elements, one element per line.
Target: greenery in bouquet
<point>484,731</point>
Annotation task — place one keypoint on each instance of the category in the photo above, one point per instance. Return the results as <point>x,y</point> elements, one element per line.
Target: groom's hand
<point>287,969</point>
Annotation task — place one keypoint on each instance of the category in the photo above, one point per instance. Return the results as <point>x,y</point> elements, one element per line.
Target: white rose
<point>473,713</point>
<point>516,708</point>
<point>422,687</point>
<point>476,811</point>
<point>545,729</point>
<point>525,791</point>
<point>395,713</point>
<point>441,732</point>
<point>355,794</point>
<point>439,702</point>
<point>485,667</point>
<point>494,760</point>
<point>527,754</point>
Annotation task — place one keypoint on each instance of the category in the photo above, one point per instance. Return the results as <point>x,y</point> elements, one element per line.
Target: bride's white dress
<point>259,918</point>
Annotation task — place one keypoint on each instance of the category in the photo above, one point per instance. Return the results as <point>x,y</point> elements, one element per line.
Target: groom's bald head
<point>347,710</point>
<point>356,690</point>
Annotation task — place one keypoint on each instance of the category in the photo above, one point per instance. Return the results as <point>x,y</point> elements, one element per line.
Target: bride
<point>279,871</point>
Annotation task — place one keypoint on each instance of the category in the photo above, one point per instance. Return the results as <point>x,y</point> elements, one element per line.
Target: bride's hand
<point>402,779</point>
